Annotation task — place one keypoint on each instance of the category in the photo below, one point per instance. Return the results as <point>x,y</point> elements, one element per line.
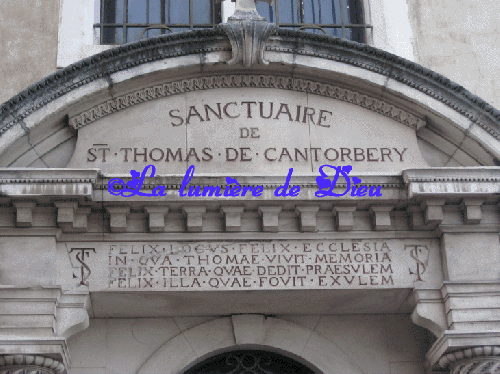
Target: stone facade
<point>394,268</point>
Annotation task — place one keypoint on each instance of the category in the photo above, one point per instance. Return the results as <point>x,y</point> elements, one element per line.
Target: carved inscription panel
<point>256,265</point>
<point>249,131</point>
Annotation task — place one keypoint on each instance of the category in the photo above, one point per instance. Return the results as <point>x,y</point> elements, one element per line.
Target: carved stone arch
<point>36,121</point>
<point>249,332</point>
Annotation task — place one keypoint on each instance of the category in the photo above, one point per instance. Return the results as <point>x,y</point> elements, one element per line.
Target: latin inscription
<point>260,265</point>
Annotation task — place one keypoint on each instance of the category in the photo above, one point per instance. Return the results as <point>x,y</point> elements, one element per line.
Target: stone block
<point>471,209</point>
<point>270,217</point>
<point>307,216</point>
<point>433,211</point>
<point>344,219</point>
<point>381,217</point>
<point>156,217</point>
<point>233,217</point>
<point>194,217</point>
<point>118,218</point>
<point>24,213</point>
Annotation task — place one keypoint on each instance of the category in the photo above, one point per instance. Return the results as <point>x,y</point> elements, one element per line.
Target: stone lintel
<point>344,219</point>
<point>232,217</point>
<point>471,209</point>
<point>270,217</point>
<point>156,217</point>
<point>381,217</point>
<point>118,218</point>
<point>307,215</point>
<point>24,213</point>
<point>194,217</point>
<point>433,211</point>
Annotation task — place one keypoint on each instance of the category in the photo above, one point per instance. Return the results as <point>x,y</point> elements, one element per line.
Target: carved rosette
<point>29,364</point>
<point>478,360</point>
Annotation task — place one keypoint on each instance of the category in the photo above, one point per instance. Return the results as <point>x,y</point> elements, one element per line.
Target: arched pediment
<point>376,100</point>
<point>249,332</point>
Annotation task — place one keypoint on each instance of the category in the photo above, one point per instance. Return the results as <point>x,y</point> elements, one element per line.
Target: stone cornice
<point>439,182</point>
<point>32,183</point>
<point>258,81</point>
<point>32,175</point>
<point>413,183</point>
<point>453,174</point>
<point>204,41</point>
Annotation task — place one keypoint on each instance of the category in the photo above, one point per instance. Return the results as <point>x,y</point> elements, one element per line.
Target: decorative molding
<point>473,360</point>
<point>29,364</point>
<point>236,81</point>
<point>482,365</point>
<point>248,34</point>
<point>201,42</point>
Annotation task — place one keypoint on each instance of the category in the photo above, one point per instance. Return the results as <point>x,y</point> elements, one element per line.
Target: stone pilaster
<point>29,364</point>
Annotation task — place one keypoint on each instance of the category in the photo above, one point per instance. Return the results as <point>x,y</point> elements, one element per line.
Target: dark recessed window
<point>125,21</point>
<point>249,362</point>
<point>341,18</point>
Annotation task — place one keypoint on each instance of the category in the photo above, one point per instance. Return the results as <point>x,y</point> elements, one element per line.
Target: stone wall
<point>28,43</point>
<point>460,39</point>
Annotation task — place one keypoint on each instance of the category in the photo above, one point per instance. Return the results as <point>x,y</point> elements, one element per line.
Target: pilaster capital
<point>466,352</point>
<point>32,364</point>
<point>477,360</point>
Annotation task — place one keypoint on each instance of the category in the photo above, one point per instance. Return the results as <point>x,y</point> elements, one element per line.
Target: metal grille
<point>250,362</point>
<point>125,21</point>
<point>341,18</point>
